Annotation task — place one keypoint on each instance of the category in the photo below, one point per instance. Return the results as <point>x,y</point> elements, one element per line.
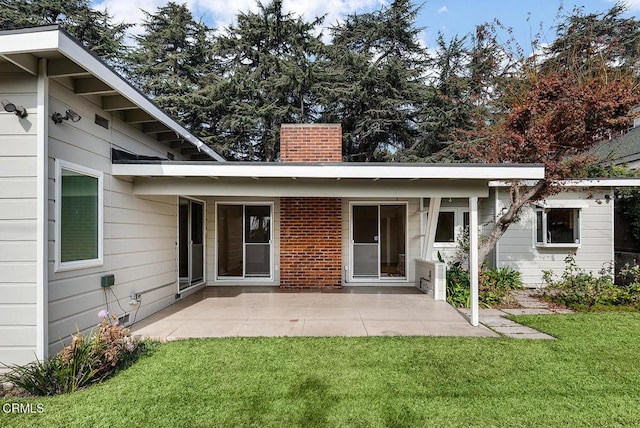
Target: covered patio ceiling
<point>318,179</point>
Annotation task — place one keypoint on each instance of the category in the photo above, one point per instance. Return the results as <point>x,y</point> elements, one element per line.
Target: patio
<point>271,311</point>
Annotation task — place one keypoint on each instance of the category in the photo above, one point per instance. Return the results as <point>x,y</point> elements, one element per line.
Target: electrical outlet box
<point>107,280</point>
<point>124,319</point>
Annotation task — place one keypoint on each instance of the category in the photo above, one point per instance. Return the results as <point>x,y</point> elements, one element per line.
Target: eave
<point>75,67</point>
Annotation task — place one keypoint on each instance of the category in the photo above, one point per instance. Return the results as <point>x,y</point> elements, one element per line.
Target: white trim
<point>42,214</point>
<point>79,264</point>
<point>380,280</point>
<point>577,204</point>
<point>242,280</point>
<point>333,171</point>
<point>545,244</point>
<point>473,258</point>
<point>595,182</point>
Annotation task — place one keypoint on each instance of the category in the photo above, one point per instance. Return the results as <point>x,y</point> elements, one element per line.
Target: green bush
<point>586,291</point>
<point>494,286</point>
<point>85,361</point>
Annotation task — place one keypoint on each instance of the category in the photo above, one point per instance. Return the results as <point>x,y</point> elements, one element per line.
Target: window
<point>451,224</point>
<point>79,216</point>
<point>559,226</point>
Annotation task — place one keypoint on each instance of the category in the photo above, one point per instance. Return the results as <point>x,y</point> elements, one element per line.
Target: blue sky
<point>449,16</point>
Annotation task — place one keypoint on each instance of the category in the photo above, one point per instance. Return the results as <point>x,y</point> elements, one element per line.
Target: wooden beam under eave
<point>200,156</point>
<point>154,128</point>
<point>166,137</point>
<point>192,150</point>
<point>138,116</point>
<point>116,103</point>
<point>92,86</point>
<point>178,145</point>
<point>26,62</point>
<point>65,68</point>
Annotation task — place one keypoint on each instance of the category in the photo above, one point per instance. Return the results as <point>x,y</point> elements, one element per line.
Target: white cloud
<point>443,9</point>
<point>633,4</point>
<point>220,14</point>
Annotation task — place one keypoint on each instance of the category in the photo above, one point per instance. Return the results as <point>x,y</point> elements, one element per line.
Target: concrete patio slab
<point>270,311</point>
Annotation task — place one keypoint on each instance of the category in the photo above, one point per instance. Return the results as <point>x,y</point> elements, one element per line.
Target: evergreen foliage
<point>173,64</point>
<point>268,68</point>
<point>376,84</point>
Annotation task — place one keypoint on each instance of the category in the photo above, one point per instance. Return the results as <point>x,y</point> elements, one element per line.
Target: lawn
<point>590,376</point>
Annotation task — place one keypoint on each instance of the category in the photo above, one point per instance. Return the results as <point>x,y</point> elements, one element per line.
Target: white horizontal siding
<point>140,233</point>
<point>517,249</point>
<point>18,248</point>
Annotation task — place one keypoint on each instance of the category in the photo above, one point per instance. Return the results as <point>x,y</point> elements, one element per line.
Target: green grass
<point>590,376</point>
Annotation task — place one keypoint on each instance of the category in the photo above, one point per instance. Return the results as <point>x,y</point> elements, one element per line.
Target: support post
<point>432,226</point>
<point>473,258</point>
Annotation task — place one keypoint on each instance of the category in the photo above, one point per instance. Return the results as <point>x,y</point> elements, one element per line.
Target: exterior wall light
<point>69,114</point>
<point>10,107</point>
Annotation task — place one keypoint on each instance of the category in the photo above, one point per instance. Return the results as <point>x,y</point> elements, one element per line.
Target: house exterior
<point>580,220</point>
<point>105,201</point>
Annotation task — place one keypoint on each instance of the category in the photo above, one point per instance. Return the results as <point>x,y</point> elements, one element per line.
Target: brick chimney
<point>311,142</point>
<point>311,227</point>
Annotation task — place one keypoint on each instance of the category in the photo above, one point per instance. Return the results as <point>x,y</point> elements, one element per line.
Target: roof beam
<point>164,137</point>
<point>192,150</point>
<point>117,102</point>
<point>138,116</point>
<point>65,68</point>
<point>154,128</point>
<point>180,145</point>
<point>92,86</point>
<point>26,62</point>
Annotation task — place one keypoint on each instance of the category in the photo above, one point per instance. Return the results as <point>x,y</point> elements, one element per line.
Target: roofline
<point>328,170</point>
<point>17,42</point>
<point>589,182</point>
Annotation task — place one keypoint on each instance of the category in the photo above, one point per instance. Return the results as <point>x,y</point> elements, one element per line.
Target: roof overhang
<point>583,183</point>
<point>87,75</point>
<point>319,179</point>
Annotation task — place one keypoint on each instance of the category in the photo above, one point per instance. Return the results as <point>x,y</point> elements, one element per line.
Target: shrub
<point>84,361</point>
<point>494,286</point>
<point>582,290</point>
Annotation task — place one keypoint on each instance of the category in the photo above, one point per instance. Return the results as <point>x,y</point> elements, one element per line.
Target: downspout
<point>42,214</point>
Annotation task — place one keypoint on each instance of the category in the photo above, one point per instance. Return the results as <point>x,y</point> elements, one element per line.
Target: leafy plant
<point>494,285</point>
<point>85,361</point>
<point>585,290</point>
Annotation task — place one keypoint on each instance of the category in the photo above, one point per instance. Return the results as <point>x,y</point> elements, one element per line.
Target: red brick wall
<point>311,143</point>
<point>310,243</point>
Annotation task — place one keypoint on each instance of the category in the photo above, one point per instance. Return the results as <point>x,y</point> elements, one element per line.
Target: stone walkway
<point>496,321</point>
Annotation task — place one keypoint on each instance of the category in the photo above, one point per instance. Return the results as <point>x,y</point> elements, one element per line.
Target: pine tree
<point>375,68</point>
<point>269,74</point>
<point>173,64</point>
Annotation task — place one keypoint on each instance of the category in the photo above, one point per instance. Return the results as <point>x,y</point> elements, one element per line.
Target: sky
<point>451,17</point>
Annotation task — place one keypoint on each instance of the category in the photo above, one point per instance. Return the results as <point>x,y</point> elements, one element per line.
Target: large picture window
<point>79,216</point>
<point>558,226</point>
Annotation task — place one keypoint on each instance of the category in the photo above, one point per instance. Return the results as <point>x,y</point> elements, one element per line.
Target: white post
<point>473,257</point>
<point>432,226</point>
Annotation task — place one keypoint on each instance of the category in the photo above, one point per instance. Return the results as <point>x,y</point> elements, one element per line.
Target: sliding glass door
<point>244,241</point>
<point>190,242</point>
<point>378,241</point>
